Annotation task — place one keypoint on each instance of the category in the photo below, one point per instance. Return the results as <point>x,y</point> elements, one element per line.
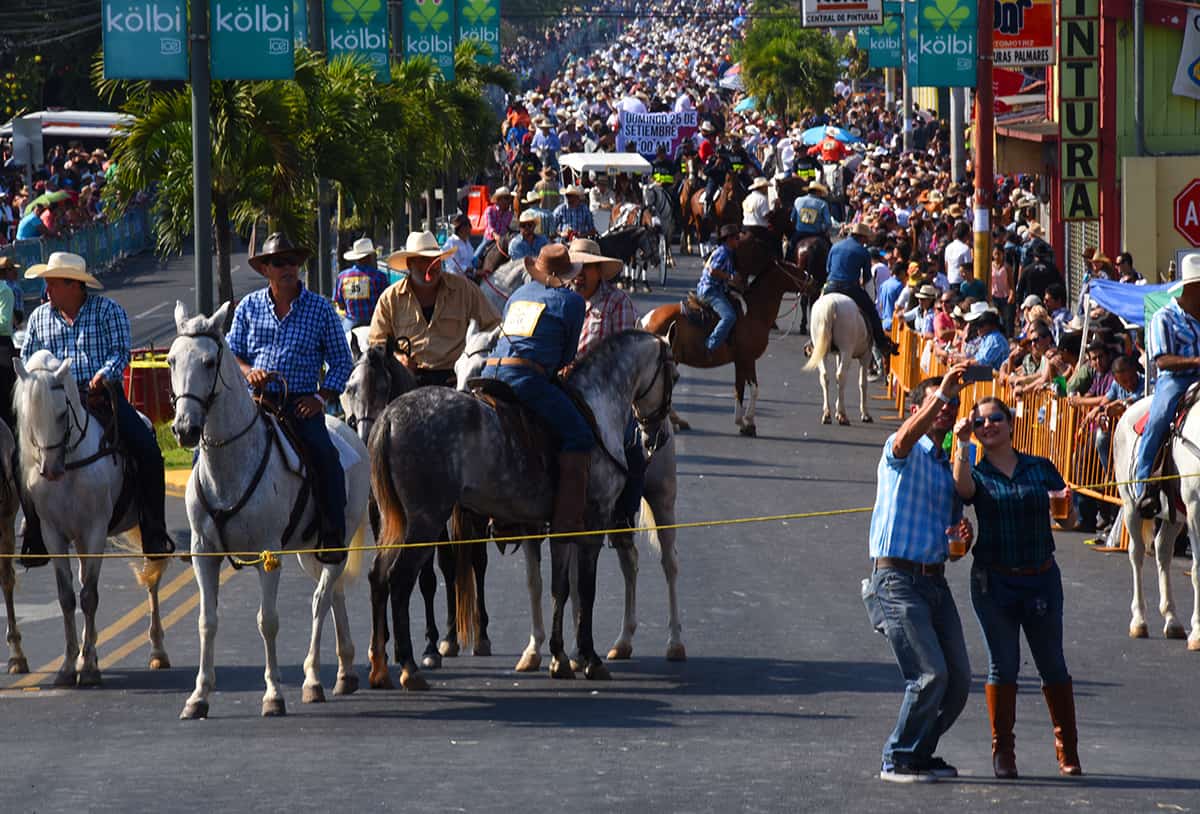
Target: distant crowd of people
<point>67,193</point>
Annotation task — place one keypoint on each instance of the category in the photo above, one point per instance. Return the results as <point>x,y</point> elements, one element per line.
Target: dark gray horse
<point>435,448</point>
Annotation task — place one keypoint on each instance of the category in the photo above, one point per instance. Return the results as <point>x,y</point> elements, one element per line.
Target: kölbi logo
<point>150,17</point>
<point>250,17</point>
<point>943,45</point>
<point>357,39</point>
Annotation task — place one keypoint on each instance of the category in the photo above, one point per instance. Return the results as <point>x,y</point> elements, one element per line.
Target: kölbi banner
<point>941,43</point>
<point>251,39</point>
<point>145,40</point>
<point>429,31</point>
<point>359,27</point>
<point>480,20</point>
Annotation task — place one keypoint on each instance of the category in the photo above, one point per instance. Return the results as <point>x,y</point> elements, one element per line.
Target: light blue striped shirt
<point>915,502</point>
<point>1174,332</point>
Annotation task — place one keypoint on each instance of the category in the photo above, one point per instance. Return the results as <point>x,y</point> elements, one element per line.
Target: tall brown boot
<point>571,498</point>
<point>1060,700</point>
<point>1002,709</point>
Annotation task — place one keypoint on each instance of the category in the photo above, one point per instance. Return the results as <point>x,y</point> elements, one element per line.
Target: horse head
<point>49,411</point>
<point>639,361</point>
<point>202,369</point>
<point>475,352</point>
<point>376,378</point>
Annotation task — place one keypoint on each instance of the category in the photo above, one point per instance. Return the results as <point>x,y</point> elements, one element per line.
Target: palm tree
<point>786,66</point>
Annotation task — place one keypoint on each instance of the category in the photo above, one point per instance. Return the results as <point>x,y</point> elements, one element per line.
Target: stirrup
<point>1149,505</point>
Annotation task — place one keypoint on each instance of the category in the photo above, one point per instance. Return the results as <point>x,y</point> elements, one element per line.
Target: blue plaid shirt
<point>991,350</point>
<point>915,502</point>
<point>98,341</point>
<point>578,218</point>
<point>295,346</point>
<point>1174,332</point>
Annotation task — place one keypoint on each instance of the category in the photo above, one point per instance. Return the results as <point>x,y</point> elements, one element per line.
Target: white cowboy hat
<point>502,192</point>
<point>1190,267</point>
<point>861,229</point>
<point>586,251</point>
<point>758,183</point>
<point>64,266</point>
<point>927,292</point>
<point>574,189</point>
<point>707,127</point>
<point>532,197</point>
<point>418,244</point>
<point>362,247</point>
<point>528,216</point>
<point>978,309</point>
<point>817,188</point>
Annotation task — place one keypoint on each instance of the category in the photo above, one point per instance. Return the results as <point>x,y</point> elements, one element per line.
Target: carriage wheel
<point>663,249</point>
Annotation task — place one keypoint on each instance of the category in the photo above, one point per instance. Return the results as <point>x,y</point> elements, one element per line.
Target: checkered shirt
<point>609,311</point>
<point>98,341</point>
<point>577,218</point>
<point>915,502</point>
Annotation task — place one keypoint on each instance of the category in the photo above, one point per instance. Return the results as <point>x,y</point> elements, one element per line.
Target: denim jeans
<point>922,625</point>
<point>1168,390</point>
<point>728,316</point>
<point>1006,605</point>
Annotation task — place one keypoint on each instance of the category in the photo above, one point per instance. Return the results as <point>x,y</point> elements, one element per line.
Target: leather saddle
<point>1164,462</point>
<point>102,408</point>
<point>532,432</point>
<point>702,315</point>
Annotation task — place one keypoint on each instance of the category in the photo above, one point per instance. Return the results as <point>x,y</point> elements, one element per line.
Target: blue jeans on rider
<point>630,499</point>
<point>1005,605</point>
<point>923,627</point>
<point>1168,390</point>
<point>481,252</point>
<point>728,316</point>
<point>711,187</point>
<point>142,445</point>
<point>329,483</point>
<point>548,402</point>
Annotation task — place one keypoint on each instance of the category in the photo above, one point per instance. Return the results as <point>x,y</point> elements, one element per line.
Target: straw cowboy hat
<point>1036,230</point>
<point>574,189</point>
<point>927,292</point>
<point>817,188</point>
<point>978,311</point>
<point>861,229</point>
<point>7,263</point>
<point>418,244</point>
<point>587,251</point>
<point>277,244</point>
<point>758,183</point>
<point>502,192</point>
<point>363,247</point>
<point>64,266</point>
<point>532,197</point>
<point>954,210</point>
<point>707,127</point>
<point>1190,267</point>
<point>529,216</point>
<point>554,264</point>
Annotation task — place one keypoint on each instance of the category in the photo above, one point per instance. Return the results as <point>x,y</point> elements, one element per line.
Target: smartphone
<point>978,373</point>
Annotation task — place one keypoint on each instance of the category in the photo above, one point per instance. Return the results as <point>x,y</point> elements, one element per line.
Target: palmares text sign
<point>842,13</point>
<point>429,31</point>
<point>252,39</point>
<point>359,27</point>
<point>1023,32</point>
<point>480,20</point>
<point>145,40</point>
<point>1079,109</point>
<point>648,131</point>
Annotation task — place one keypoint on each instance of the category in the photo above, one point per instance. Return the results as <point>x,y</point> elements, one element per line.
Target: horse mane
<point>27,405</point>
<point>604,357</point>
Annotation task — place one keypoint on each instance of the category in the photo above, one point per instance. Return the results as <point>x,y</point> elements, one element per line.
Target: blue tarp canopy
<point>1132,303</point>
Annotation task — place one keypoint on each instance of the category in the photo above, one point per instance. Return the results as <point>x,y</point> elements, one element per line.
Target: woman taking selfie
<point>1015,582</point>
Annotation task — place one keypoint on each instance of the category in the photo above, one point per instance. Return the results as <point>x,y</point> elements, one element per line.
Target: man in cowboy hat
<point>548,190</point>
<point>573,215</point>
<point>533,203</point>
<point>1173,342</point>
<point>93,331</point>
<point>546,142</point>
<point>713,289</point>
<point>540,335</point>
<point>528,243</point>
<point>849,268</point>
<point>359,287</point>
<point>755,211</point>
<point>432,309</point>
<point>285,331</point>
<point>497,222</point>
<point>811,218</point>
<point>716,163</point>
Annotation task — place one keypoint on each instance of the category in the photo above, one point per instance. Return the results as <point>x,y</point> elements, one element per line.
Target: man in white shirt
<point>755,211</point>
<point>956,250</point>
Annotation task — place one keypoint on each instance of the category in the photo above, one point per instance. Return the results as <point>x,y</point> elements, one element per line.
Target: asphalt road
<point>782,705</point>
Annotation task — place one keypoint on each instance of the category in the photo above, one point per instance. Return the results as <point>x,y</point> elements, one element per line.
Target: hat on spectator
<point>586,251</point>
<point>954,210</point>
<point>532,197</point>
<point>574,189</point>
<point>528,216</point>
<point>1190,267</point>
<point>363,247</point>
<point>978,310</point>
<point>1036,230</point>
<point>927,292</point>
<point>817,188</point>
<point>8,263</point>
<point>728,231</point>
<point>418,244</point>
<point>758,183</point>
<point>1031,301</point>
<point>63,266</point>
<point>552,263</point>
<point>277,244</point>
<point>861,229</point>
<point>502,192</point>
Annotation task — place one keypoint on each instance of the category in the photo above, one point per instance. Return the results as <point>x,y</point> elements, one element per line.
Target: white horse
<point>17,663</point>
<point>241,496</point>
<point>75,486</point>
<point>1187,461</point>
<point>838,327</point>
<point>658,507</point>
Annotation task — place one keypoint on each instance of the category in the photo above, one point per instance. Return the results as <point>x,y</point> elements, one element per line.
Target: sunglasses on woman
<point>994,418</point>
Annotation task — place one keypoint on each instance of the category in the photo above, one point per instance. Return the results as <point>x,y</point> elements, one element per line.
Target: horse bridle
<point>353,421</point>
<point>664,409</point>
<point>70,419</point>
<point>206,402</point>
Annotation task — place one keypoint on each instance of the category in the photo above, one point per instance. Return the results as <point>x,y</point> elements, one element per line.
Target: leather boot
<point>33,547</point>
<point>1002,710</point>
<point>1060,700</point>
<point>571,498</point>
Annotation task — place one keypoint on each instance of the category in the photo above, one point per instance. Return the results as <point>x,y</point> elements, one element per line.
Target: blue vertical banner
<point>359,27</point>
<point>429,31</point>
<point>252,39</point>
<point>946,42</point>
<point>480,20</point>
<point>145,40</point>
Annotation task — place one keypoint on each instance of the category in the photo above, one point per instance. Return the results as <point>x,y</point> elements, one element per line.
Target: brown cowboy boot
<point>571,498</point>
<point>1002,710</point>
<point>1060,700</point>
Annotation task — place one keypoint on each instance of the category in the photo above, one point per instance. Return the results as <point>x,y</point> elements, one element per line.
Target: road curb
<point>176,480</point>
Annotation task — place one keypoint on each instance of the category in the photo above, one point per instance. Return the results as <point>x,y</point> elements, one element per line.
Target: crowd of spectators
<point>67,193</point>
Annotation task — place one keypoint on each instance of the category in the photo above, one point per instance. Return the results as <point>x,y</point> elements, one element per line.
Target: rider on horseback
<point>849,268</point>
<point>93,332</point>
<point>713,289</point>
<point>811,218</point>
<point>755,214</point>
<point>716,164</point>
<point>497,220</point>
<point>538,337</point>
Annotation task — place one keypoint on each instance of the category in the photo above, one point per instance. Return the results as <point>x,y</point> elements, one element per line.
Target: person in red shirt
<point>829,149</point>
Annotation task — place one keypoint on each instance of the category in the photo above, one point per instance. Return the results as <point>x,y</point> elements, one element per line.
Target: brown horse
<point>750,334</point>
<point>726,208</point>
<point>689,230</point>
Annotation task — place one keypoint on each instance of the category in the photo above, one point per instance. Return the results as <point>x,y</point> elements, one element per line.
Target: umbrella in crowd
<point>749,103</point>
<point>46,199</point>
<point>814,135</point>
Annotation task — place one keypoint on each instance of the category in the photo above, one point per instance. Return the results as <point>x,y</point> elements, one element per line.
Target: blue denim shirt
<point>719,260</point>
<point>915,502</point>
<point>849,262</point>
<point>542,324</point>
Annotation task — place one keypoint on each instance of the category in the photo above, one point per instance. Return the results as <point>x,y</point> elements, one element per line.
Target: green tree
<point>788,67</point>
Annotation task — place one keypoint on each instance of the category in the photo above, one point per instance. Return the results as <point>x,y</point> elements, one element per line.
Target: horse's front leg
<point>1136,528</point>
<point>347,678</point>
<point>88,663</point>
<point>479,555</point>
<point>312,691</point>
<point>207,571</point>
<point>627,555</point>
<point>1194,639</point>
<point>864,414</point>
<point>268,627</point>
<point>560,589</point>
<point>739,391</point>
<point>149,576</point>
<point>448,646</point>
<point>1164,551</point>
<point>17,662</point>
<point>587,556</point>
<point>531,658</point>
<point>749,427</point>
<point>402,579</point>
<point>662,507</point>
<point>379,678</point>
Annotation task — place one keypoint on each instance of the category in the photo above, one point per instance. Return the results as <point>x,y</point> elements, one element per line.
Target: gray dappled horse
<point>17,662</point>
<point>434,448</point>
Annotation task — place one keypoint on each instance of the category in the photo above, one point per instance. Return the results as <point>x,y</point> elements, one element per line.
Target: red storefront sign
<point>1023,32</point>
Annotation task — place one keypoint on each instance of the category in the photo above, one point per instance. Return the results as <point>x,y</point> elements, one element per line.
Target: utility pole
<point>907,133</point>
<point>958,158</point>
<point>984,138</point>
<point>202,225</point>
<point>324,286</point>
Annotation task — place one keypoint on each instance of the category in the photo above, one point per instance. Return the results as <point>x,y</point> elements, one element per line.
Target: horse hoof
<point>529,663</point>
<point>381,681</point>
<point>88,678</point>
<point>18,665</point>
<point>866,419</point>
<point>1174,631</point>
<point>1194,644</point>
<point>576,664</point>
<point>346,685</point>
<point>160,662</point>
<point>596,671</point>
<point>431,661</point>
<point>561,668</point>
<point>64,678</point>
<point>194,711</point>
<point>676,652</point>
<point>749,430</point>
<point>448,648</point>
<point>621,652</point>
<point>312,695</point>
<point>413,680</point>
<point>843,421</point>
<point>273,708</point>
<point>483,647</point>
<point>1139,631</point>
<point>826,419</point>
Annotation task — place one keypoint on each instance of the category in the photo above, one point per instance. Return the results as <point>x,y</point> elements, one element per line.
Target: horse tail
<point>466,604</point>
<point>821,332</point>
<point>354,561</point>
<point>647,521</point>
<point>391,510</point>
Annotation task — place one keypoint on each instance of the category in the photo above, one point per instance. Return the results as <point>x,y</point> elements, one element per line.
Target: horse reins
<point>72,418</point>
